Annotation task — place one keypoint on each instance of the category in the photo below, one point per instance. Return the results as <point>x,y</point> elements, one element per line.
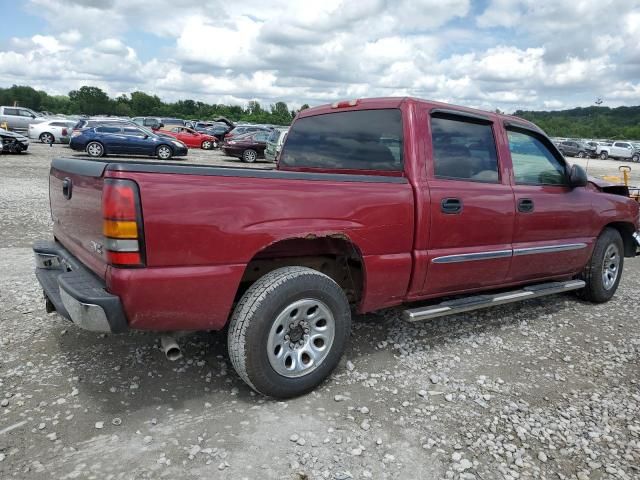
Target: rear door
<point>471,205</point>
<point>553,221</point>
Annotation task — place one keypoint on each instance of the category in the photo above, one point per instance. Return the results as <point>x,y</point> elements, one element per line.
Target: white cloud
<point>514,54</point>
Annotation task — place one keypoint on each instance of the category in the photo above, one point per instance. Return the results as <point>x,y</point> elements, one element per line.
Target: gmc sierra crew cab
<point>374,203</point>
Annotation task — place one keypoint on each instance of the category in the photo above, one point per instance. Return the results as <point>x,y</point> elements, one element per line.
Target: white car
<point>620,151</point>
<point>51,131</point>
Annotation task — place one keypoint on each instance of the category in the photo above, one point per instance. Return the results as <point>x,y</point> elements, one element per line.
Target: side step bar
<point>477,302</point>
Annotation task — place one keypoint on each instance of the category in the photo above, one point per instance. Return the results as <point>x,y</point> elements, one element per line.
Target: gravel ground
<point>543,389</point>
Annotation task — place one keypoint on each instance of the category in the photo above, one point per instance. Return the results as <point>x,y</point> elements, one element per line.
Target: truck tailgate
<point>75,194</point>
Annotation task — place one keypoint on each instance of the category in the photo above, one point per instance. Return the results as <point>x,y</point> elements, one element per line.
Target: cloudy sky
<point>507,54</point>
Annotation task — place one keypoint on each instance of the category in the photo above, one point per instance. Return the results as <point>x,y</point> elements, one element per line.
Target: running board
<point>477,302</point>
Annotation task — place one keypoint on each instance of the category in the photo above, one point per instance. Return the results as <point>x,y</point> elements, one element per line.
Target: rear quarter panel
<point>209,227</point>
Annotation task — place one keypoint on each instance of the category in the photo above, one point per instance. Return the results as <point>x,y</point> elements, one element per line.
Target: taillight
<point>122,223</point>
<point>64,132</point>
<point>75,133</point>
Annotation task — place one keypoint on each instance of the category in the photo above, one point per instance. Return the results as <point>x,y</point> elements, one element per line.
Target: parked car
<point>572,148</point>
<point>248,147</point>
<point>126,139</point>
<point>620,151</point>
<point>219,131</point>
<point>242,129</point>
<point>167,122</point>
<point>51,131</point>
<point>192,138</point>
<point>281,257</point>
<point>153,123</point>
<point>97,121</point>
<point>13,142</point>
<point>274,143</point>
<point>19,118</point>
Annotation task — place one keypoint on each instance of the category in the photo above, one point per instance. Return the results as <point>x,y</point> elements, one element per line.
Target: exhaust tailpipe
<point>170,348</point>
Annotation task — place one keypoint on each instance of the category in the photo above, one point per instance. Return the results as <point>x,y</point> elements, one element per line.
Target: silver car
<point>52,131</point>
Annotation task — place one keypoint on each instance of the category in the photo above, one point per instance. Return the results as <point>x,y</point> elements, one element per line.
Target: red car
<point>192,138</point>
<point>374,203</point>
<point>247,147</point>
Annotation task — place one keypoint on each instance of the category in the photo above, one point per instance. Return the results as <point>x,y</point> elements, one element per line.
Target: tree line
<point>591,122</point>
<point>620,123</point>
<point>88,100</point>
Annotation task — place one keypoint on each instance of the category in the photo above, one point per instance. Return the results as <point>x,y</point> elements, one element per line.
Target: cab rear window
<point>357,140</point>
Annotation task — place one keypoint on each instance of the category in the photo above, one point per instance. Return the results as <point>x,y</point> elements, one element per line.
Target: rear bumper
<point>75,292</point>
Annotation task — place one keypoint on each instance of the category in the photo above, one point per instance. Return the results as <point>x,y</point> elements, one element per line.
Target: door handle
<point>525,205</point>
<point>451,205</point>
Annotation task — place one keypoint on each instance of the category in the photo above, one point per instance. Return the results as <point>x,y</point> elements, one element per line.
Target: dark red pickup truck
<point>374,203</point>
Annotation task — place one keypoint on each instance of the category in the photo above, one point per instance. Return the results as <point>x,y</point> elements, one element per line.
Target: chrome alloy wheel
<point>95,149</point>
<point>301,338</point>
<point>610,267</point>
<point>164,152</point>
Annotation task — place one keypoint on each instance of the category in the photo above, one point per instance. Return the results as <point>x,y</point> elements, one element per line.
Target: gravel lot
<point>543,389</point>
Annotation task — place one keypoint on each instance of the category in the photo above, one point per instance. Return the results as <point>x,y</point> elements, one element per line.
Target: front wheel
<point>288,331</point>
<point>164,152</point>
<point>95,149</point>
<point>604,156</point>
<point>604,270</point>
<point>635,158</point>
<point>249,156</point>
<point>581,155</point>
<point>207,145</point>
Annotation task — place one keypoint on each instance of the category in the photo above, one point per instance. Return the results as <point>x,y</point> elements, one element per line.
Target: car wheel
<point>635,158</point>
<point>47,138</point>
<point>206,145</point>
<point>288,331</point>
<point>95,149</point>
<point>215,144</point>
<point>604,270</point>
<point>604,156</point>
<point>249,156</point>
<point>580,154</point>
<point>164,152</point>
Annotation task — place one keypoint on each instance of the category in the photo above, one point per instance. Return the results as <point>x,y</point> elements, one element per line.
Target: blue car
<point>128,140</point>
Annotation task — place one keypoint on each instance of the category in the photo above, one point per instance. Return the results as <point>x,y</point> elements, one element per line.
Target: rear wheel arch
<point>334,255</point>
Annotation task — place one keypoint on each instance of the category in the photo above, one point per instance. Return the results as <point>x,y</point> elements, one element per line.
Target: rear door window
<point>463,150</point>
<point>11,111</point>
<point>108,129</point>
<point>357,140</point>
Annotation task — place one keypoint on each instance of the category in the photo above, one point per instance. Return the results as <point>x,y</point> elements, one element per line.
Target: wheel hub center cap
<point>296,333</point>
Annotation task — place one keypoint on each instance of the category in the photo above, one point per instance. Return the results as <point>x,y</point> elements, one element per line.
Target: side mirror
<point>578,177</point>
<point>146,136</point>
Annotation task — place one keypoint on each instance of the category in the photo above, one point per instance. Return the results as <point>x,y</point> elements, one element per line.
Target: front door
<point>553,220</point>
<point>471,206</point>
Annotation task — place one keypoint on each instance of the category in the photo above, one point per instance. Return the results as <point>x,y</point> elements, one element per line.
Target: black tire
<point>164,152</point>
<point>581,155</point>
<point>259,311</point>
<point>47,138</point>
<point>596,289</point>
<point>207,145</point>
<point>95,149</point>
<point>635,158</point>
<point>249,156</point>
<point>604,155</point>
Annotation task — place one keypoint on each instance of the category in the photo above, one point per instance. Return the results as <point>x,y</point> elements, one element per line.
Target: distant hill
<point>590,122</point>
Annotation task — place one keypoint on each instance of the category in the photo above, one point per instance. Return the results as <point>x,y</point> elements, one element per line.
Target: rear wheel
<point>288,331</point>
<point>249,156</point>
<point>580,154</point>
<point>604,270</point>
<point>164,152</point>
<point>635,158</point>
<point>95,149</point>
<point>47,137</point>
<point>604,156</point>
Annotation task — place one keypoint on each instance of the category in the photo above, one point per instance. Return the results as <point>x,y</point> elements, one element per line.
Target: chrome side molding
<point>489,255</point>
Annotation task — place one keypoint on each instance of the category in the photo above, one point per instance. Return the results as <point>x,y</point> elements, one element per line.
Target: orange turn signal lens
<point>120,229</point>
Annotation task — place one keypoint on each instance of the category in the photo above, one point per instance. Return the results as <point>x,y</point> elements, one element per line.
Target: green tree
<point>90,101</point>
<point>143,104</point>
